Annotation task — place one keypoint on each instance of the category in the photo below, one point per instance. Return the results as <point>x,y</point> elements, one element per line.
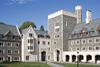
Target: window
<point>16,52</point>
<point>30,41</point>
<point>30,34</point>
<point>55,42</point>
<point>57,27</point>
<point>77,42</point>
<point>16,58</point>
<point>56,36</point>
<point>83,41</point>
<point>48,48</point>
<point>84,48</point>
<point>43,42</point>
<point>30,47</point>
<point>1,51</point>
<point>97,40</point>
<point>14,37</point>
<point>27,57</point>
<point>9,44</point>
<point>9,51</point>
<point>90,48</point>
<point>1,58</point>
<point>77,48</point>
<point>97,48</point>
<point>1,44</point>
<point>17,45</point>
<point>48,43</point>
<point>90,41</point>
<point>48,57</point>
<point>38,42</point>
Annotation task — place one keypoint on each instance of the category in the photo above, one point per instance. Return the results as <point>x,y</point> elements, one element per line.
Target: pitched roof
<point>38,32</point>
<point>93,25</point>
<point>4,28</point>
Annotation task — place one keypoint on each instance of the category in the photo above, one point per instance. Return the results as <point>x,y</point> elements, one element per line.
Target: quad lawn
<point>28,64</point>
<point>80,65</point>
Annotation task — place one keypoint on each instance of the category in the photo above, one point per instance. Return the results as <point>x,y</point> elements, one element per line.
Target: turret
<point>88,16</point>
<point>78,12</point>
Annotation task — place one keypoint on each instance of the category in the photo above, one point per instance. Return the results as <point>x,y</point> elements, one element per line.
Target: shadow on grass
<point>2,66</point>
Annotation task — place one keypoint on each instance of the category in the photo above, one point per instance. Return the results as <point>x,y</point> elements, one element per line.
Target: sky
<point>15,12</point>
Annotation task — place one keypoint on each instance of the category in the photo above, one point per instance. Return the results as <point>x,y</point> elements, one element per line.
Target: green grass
<point>80,65</point>
<point>25,64</point>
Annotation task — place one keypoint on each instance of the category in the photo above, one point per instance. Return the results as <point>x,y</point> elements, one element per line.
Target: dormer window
<point>83,30</point>
<point>98,28</point>
<point>92,29</point>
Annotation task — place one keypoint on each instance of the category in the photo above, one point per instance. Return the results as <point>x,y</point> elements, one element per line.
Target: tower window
<point>57,27</point>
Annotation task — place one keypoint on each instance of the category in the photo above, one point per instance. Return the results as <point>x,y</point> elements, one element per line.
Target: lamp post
<point>77,59</point>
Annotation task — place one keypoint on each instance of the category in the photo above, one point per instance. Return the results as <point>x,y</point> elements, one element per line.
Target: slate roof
<point>94,24</point>
<point>4,28</point>
<point>41,32</point>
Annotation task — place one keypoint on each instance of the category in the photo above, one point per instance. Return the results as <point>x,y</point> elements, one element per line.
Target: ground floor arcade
<point>93,57</point>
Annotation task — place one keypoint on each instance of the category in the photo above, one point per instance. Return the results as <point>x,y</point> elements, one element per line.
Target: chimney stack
<point>78,12</point>
<point>88,16</point>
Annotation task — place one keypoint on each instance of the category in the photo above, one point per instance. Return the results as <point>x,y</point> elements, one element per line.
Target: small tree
<point>26,24</point>
<point>42,28</point>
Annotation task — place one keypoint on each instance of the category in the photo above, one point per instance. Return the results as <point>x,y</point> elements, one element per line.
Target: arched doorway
<point>58,55</point>
<point>43,56</point>
<point>67,58</point>
<point>97,58</point>
<point>73,58</point>
<point>80,58</point>
<point>88,57</point>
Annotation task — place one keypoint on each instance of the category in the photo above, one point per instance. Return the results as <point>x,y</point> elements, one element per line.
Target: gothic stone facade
<point>35,45</point>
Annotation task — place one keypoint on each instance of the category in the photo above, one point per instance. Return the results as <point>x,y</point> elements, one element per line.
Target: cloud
<point>20,1</point>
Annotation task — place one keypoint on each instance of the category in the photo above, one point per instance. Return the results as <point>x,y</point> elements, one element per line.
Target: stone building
<point>61,24</point>
<point>10,43</point>
<point>68,39</point>
<point>72,38</point>
<point>35,45</point>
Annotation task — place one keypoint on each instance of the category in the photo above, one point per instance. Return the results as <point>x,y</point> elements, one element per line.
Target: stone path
<point>54,65</point>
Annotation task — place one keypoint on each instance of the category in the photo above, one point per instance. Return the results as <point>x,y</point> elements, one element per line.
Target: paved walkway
<point>54,65</point>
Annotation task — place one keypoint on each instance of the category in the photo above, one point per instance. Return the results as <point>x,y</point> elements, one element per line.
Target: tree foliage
<point>42,28</point>
<point>26,24</point>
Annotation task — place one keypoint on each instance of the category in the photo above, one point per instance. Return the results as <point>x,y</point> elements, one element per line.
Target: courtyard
<point>24,64</point>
